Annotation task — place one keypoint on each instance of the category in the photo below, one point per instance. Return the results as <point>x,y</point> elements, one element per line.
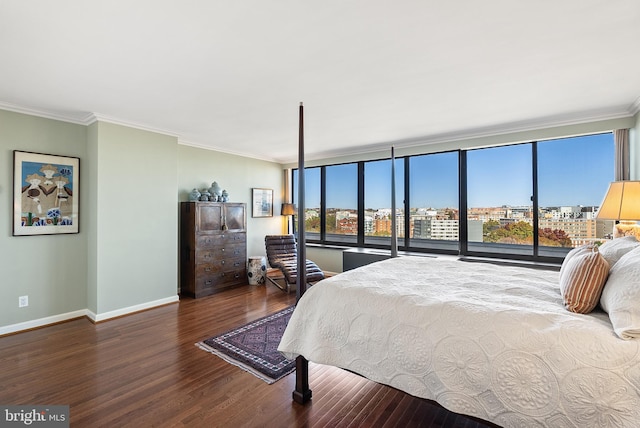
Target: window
<point>311,201</point>
<point>341,212</point>
<point>433,195</point>
<point>499,200</point>
<point>377,201</point>
<point>573,176</point>
<point>532,201</point>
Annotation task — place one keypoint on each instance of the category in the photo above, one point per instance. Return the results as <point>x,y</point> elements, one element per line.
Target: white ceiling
<point>229,75</point>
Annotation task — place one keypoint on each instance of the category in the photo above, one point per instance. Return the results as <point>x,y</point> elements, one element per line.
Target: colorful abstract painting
<point>45,193</point>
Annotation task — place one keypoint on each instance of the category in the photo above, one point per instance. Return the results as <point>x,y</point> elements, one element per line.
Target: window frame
<point>462,243</point>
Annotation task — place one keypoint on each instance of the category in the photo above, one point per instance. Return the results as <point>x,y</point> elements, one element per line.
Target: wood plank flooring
<point>144,370</point>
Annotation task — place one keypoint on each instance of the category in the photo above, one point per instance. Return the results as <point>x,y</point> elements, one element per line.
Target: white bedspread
<point>489,341</point>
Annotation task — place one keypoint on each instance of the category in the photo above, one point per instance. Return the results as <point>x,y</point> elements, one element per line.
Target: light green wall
<point>328,259</point>
<point>238,175</point>
<point>50,269</point>
<point>133,206</point>
<point>125,257</point>
<point>92,229</point>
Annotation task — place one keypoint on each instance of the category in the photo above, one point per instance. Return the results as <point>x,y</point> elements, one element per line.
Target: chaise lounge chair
<point>282,254</point>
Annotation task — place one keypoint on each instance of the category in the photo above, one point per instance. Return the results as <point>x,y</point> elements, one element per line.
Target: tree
<point>554,238</point>
<point>312,224</point>
<point>512,233</point>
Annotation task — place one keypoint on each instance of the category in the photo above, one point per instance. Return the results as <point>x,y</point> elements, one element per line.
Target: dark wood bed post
<point>302,393</point>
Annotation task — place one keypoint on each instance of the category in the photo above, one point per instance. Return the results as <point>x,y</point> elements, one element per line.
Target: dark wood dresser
<point>213,247</point>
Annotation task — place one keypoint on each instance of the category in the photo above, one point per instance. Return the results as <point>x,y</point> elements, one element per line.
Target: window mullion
<point>323,203</point>
<point>534,197</point>
<point>361,203</point>
<point>462,204</point>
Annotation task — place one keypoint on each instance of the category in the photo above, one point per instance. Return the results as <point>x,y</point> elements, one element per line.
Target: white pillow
<point>614,249</point>
<point>621,295</point>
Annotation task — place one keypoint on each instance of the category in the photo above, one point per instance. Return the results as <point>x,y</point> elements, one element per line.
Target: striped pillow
<point>582,279</point>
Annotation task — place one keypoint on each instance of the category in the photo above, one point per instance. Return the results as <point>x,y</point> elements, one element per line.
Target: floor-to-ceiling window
<point>533,200</point>
<point>341,209</point>
<point>434,204</point>
<point>499,200</point>
<point>377,201</point>
<point>573,176</point>
<point>312,201</point>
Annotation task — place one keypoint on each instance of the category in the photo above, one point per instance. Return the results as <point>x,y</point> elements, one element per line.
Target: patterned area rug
<point>253,347</point>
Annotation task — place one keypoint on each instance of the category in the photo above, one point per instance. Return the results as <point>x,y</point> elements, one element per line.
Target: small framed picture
<point>46,190</point>
<point>262,202</point>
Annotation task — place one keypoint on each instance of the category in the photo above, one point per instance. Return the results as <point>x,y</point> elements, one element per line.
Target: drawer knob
<point>222,261</point>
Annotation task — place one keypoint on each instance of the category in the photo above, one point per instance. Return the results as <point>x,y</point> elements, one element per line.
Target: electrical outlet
<point>23,301</point>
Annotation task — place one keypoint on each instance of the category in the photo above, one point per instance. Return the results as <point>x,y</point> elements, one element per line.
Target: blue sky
<point>571,171</point>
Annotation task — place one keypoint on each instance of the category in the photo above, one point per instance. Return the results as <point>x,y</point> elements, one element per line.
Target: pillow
<point>614,249</point>
<point>621,295</point>
<point>582,279</point>
<point>571,254</point>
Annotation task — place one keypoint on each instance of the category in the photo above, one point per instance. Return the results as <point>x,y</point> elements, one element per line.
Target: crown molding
<point>77,118</point>
<point>97,117</point>
<point>635,107</point>
<point>196,145</point>
<point>619,112</point>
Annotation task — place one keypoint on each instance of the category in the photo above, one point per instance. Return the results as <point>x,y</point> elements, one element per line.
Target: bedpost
<point>302,393</point>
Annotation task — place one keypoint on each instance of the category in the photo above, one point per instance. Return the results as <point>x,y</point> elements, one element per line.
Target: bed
<point>490,341</point>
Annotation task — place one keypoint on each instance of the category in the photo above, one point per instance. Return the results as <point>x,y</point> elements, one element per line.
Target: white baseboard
<point>27,325</point>
<point>131,309</point>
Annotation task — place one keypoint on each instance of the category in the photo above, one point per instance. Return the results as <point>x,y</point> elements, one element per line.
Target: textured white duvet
<point>489,341</point>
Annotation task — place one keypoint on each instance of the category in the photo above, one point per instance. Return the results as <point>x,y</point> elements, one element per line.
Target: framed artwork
<point>262,202</point>
<point>46,190</point>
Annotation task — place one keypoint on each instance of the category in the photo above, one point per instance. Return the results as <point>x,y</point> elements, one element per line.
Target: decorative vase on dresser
<point>213,247</point>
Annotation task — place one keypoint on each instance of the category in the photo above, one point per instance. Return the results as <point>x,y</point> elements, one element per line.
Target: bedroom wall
<point>238,175</point>
<point>134,235</point>
<point>52,269</point>
<point>125,257</point>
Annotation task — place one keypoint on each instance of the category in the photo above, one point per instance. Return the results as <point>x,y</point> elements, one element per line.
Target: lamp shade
<point>622,201</point>
<point>288,209</point>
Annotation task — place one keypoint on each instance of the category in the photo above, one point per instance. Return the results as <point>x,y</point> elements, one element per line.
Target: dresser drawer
<point>220,265</point>
<point>208,255</point>
<point>220,239</point>
<point>219,279</point>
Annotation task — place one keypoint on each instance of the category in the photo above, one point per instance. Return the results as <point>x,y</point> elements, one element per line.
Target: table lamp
<point>622,203</point>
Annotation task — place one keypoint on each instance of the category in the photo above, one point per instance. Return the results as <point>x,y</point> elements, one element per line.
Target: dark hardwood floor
<point>144,370</point>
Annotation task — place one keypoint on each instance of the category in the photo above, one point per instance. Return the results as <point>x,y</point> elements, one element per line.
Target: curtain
<point>622,161</point>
